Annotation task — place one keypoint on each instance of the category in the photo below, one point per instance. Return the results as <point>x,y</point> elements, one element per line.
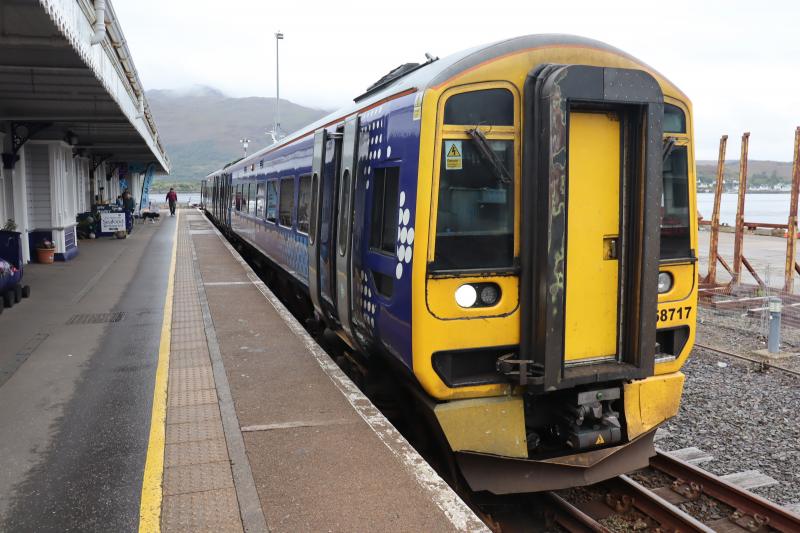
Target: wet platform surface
<point>230,419</point>
<point>75,397</point>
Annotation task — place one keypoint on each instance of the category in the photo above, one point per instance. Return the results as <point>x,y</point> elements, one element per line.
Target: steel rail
<point>666,514</point>
<point>760,509</point>
<point>745,358</point>
<point>571,518</point>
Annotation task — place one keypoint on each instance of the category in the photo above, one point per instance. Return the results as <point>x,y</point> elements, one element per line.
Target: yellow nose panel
<point>592,277</point>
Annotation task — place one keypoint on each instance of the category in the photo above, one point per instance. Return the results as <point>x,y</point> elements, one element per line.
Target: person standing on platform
<point>128,204</point>
<point>172,198</point>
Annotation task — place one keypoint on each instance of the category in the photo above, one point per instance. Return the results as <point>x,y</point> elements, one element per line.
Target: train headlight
<point>489,294</point>
<point>466,296</point>
<point>664,282</point>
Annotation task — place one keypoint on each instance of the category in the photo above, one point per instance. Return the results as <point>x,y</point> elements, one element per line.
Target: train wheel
<point>26,291</point>
<point>8,299</point>
<point>17,294</point>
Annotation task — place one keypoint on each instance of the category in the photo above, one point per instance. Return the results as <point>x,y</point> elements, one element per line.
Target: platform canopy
<point>66,74</point>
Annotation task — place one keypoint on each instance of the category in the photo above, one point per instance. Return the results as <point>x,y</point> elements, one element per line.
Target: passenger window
<point>260,200</point>
<point>287,202</point>
<point>303,203</point>
<point>251,199</point>
<point>344,213</point>
<point>272,200</point>
<point>491,106</point>
<point>675,242</point>
<point>312,236</point>
<point>674,119</point>
<point>475,216</point>
<point>383,227</point>
<point>237,203</point>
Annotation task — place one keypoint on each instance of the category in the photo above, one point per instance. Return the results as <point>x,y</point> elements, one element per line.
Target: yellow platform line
<point>152,483</point>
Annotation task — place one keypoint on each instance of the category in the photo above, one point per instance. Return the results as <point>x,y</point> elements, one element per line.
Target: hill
<point>760,174</point>
<point>201,127</point>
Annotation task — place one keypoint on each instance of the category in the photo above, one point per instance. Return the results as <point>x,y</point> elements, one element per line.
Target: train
<point>513,228</point>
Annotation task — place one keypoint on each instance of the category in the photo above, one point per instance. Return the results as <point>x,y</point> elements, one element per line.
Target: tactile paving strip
<point>198,490</point>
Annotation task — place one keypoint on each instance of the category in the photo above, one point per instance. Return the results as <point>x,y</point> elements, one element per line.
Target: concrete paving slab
<point>195,453</point>
<point>202,512</point>
<point>194,431</point>
<point>185,479</point>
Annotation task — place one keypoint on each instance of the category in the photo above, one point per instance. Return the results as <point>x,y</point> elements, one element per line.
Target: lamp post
<point>245,142</point>
<point>277,128</point>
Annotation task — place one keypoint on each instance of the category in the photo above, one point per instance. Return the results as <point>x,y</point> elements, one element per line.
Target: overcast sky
<point>739,61</point>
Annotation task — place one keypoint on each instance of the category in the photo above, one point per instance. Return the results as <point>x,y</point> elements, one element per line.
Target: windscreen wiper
<point>669,146</point>
<point>487,154</point>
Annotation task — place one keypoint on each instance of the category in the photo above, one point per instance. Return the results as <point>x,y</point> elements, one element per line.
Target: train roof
<point>434,73</point>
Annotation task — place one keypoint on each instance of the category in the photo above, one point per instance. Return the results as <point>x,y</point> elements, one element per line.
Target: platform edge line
<point>152,481</point>
<point>444,497</point>
<point>247,498</point>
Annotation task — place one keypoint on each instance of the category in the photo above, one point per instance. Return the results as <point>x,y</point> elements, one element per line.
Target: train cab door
<point>344,222</point>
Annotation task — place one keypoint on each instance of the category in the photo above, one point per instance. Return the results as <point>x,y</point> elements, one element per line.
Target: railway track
<point>746,358</point>
<point>670,495</point>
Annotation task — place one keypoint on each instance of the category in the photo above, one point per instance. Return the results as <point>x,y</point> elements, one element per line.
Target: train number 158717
<point>670,314</point>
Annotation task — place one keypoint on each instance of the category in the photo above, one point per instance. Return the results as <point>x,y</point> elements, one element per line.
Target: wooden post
<point>739,236</point>
<point>791,230</point>
<point>718,189</point>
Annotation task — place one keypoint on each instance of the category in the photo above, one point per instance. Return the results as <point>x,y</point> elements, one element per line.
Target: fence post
<point>739,236</point>
<point>791,230</point>
<point>711,278</point>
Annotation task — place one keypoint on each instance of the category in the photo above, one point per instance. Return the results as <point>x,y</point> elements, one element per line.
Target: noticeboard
<point>111,222</point>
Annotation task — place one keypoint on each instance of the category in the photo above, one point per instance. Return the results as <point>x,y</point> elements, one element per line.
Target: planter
<point>45,255</point>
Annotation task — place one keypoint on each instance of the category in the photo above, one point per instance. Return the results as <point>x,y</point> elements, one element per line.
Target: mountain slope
<point>201,127</point>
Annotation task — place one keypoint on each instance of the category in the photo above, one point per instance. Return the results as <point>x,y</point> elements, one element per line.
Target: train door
<point>593,204</point>
<point>322,266</point>
<point>344,224</point>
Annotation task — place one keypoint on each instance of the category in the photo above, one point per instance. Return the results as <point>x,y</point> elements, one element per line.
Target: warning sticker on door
<point>453,157</point>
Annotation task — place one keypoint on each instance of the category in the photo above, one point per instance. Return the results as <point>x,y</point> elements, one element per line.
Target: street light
<point>245,142</point>
<point>277,128</point>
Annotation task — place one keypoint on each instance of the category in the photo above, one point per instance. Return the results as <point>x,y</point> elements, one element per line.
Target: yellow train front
<point>539,285</point>
<point>556,303</point>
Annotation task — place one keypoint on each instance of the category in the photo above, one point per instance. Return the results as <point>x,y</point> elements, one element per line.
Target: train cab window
<point>674,119</point>
<point>304,204</point>
<point>675,241</point>
<point>383,223</point>
<point>489,106</point>
<point>475,216</point>
<point>272,200</point>
<point>286,206</point>
<point>260,200</point>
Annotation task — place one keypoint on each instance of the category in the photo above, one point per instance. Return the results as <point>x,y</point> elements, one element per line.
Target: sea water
<point>757,207</point>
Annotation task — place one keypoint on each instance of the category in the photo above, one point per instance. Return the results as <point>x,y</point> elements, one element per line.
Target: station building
<point>75,125</point>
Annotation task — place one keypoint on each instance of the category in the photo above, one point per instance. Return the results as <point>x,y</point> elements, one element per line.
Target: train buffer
<point>200,404</point>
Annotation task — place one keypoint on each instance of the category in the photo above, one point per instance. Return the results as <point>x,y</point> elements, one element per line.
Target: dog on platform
<point>152,216</point>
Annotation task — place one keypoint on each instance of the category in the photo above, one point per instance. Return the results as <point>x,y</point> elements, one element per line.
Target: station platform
<point>155,383</point>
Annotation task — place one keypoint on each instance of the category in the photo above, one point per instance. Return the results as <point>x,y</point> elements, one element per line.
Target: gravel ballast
<point>745,417</point>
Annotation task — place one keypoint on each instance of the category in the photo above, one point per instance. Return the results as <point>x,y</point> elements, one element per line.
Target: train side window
<point>344,214</point>
<point>238,201</point>
<point>383,226</point>
<point>260,200</point>
<point>675,235</point>
<point>312,236</point>
<point>489,106</point>
<point>251,198</point>
<point>286,206</point>
<point>303,204</point>
<point>674,119</point>
<point>272,200</point>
